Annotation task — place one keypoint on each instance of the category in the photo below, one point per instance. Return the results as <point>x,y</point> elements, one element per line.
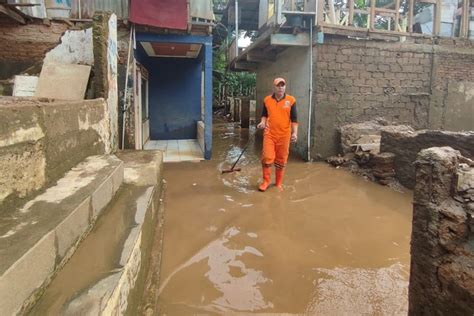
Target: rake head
<point>231,170</point>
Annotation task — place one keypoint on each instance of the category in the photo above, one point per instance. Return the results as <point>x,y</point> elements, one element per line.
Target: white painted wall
<point>112,100</point>
<point>24,86</point>
<point>76,48</point>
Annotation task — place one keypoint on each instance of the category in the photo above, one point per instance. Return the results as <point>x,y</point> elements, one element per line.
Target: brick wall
<point>24,45</point>
<point>454,61</point>
<point>27,42</point>
<point>358,80</point>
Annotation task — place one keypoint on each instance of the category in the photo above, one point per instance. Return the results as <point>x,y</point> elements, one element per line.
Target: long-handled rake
<point>232,169</point>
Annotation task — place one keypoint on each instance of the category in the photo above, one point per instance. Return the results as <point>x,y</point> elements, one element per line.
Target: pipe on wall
<point>310,86</point>
<point>125,93</point>
<point>236,28</point>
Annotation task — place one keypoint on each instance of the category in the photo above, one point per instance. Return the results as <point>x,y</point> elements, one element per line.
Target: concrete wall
<point>40,141</point>
<point>293,64</point>
<point>442,256</point>
<point>452,103</point>
<point>407,145</point>
<point>24,45</point>
<point>105,48</point>
<point>419,84</point>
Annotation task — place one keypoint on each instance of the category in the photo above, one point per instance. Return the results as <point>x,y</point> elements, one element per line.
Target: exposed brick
<point>28,42</point>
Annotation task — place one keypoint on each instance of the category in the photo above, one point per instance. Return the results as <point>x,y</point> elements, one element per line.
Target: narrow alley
<point>121,122</point>
<point>331,243</point>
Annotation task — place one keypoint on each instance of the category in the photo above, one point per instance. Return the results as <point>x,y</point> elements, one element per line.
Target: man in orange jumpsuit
<point>279,120</point>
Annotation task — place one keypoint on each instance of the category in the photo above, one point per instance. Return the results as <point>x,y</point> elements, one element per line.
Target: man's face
<point>280,88</point>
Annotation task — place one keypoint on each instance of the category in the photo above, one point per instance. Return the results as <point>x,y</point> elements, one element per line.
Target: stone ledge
<point>37,238</point>
<point>123,235</point>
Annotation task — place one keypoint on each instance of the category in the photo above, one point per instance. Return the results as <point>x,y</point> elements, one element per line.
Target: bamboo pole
<point>332,11</point>
<point>397,14</point>
<point>464,31</point>
<point>437,18</point>
<point>351,12</point>
<point>372,14</point>
<point>411,8</point>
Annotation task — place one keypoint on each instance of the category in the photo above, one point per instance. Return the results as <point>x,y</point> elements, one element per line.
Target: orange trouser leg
<point>268,157</point>
<point>268,151</point>
<point>282,150</point>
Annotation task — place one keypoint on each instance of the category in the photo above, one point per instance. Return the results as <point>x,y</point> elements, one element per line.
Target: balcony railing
<point>447,18</point>
<point>432,17</point>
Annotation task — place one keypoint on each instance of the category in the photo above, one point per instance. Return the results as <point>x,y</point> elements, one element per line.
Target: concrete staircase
<point>83,245</point>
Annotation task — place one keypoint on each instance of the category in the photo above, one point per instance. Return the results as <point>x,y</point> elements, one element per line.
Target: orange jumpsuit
<point>276,138</point>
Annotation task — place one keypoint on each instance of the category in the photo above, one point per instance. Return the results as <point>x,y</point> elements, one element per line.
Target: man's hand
<point>262,124</point>
<point>294,137</point>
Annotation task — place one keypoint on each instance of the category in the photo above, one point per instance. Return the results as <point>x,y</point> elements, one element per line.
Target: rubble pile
<point>360,143</point>
<point>383,167</point>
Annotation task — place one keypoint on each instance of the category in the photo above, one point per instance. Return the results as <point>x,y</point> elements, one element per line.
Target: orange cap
<point>278,80</point>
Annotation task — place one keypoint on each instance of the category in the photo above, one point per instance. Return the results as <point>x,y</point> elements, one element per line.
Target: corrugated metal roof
<point>38,11</point>
<point>86,7</point>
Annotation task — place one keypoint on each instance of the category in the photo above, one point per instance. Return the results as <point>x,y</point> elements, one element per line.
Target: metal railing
<point>430,17</point>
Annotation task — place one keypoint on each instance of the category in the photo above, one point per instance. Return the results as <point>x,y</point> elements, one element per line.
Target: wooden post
<point>372,15</point>
<point>332,12</point>
<point>464,30</point>
<point>397,15</point>
<point>351,12</point>
<point>411,8</point>
<point>320,17</point>
<point>245,112</point>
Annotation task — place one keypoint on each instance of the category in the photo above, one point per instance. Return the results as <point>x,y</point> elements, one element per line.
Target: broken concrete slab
<point>61,212</point>
<point>370,143</point>
<point>367,134</point>
<point>63,81</point>
<point>465,179</point>
<point>24,86</point>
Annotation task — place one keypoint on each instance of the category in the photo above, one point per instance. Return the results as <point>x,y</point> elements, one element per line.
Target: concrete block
<point>102,196</point>
<point>110,295</point>
<point>72,80</point>
<point>117,178</point>
<point>72,228</point>
<point>465,180</point>
<point>25,86</point>
<point>26,275</point>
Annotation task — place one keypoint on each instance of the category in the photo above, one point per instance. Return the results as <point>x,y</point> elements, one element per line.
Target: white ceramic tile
<point>177,150</point>
<point>173,145</point>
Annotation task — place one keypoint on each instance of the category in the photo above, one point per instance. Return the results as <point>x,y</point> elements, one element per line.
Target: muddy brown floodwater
<point>331,243</point>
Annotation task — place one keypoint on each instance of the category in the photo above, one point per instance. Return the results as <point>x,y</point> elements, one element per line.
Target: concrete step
<point>37,238</point>
<point>106,274</point>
